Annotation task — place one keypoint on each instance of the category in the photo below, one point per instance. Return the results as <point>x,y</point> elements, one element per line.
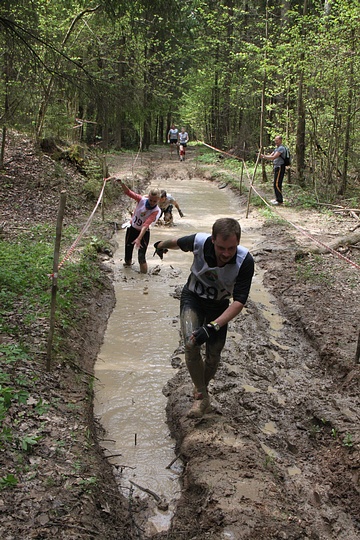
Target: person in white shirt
<point>146,213</point>
<point>172,138</point>
<point>183,140</point>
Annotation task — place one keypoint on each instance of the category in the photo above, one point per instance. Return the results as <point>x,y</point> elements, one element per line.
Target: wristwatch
<point>215,325</point>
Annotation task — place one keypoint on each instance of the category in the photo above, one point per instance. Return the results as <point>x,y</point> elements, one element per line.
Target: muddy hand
<point>158,251</point>
<point>137,243</point>
<point>202,334</point>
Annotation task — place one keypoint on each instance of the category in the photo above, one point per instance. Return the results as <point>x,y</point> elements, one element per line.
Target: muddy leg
<point>213,352</point>
<point>143,268</point>
<point>189,322</point>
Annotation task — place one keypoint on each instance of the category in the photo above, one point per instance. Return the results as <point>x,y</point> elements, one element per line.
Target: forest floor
<point>278,458</point>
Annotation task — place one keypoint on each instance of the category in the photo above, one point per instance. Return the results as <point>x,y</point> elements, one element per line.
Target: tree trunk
<point>357,354</point>
<point>343,186</point>
<point>46,99</point>
<point>300,130</point>
<point>350,239</point>
<point>263,94</point>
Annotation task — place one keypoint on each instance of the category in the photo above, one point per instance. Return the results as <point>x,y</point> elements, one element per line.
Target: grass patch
<point>24,277</point>
<point>24,320</point>
<point>311,271</point>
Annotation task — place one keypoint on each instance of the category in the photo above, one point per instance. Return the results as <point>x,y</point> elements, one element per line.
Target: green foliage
<point>303,198</point>
<point>8,481</point>
<point>27,442</point>
<point>97,245</point>
<point>41,407</point>
<point>348,440</point>
<point>10,353</point>
<point>92,189</point>
<point>311,270</point>
<point>8,395</point>
<point>98,76</point>
<point>25,287</point>
<point>25,283</point>
<point>208,158</point>
<point>88,483</point>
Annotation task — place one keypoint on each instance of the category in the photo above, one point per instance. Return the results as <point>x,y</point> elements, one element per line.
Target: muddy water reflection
<point>142,333</point>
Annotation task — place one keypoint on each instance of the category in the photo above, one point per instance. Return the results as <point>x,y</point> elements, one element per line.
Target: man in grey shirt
<point>278,157</point>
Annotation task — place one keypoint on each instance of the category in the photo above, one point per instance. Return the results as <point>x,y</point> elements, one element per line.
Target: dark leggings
<point>131,235</point>
<point>278,180</point>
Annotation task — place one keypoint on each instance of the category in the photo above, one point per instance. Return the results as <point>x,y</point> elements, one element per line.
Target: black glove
<point>159,251</point>
<point>202,334</point>
<point>180,213</point>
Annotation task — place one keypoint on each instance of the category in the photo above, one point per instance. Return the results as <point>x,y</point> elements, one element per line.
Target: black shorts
<point>173,141</point>
<point>205,310</point>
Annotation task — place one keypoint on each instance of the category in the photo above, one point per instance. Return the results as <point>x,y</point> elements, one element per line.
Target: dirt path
<point>279,456</point>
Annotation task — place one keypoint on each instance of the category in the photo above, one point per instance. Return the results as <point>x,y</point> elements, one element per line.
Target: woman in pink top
<point>138,234</point>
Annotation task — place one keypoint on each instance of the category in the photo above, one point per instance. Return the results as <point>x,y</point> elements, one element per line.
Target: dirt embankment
<point>65,488</point>
<point>279,455</point>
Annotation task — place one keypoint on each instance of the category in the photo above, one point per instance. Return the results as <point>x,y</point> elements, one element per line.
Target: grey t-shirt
<point>280,159</point>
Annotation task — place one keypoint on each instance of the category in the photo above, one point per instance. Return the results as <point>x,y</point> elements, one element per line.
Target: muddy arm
<point>168,244</point>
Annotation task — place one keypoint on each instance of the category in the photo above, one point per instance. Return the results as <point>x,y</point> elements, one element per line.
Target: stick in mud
<point>172,462</point>
<point>162,504</point>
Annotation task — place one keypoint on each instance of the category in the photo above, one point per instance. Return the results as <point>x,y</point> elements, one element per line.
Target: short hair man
<point>166,204</point>
<point>172,138</point>
<point>221,268</point>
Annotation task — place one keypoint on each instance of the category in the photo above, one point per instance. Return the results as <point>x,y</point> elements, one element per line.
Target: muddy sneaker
<point>199,408</point>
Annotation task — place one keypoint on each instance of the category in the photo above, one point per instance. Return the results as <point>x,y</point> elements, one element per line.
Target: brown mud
<point>278,457</point>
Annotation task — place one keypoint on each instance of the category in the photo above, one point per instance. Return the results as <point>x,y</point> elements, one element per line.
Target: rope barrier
<point>84,229</point>
<point>302,231</point>
<point>222,151</point>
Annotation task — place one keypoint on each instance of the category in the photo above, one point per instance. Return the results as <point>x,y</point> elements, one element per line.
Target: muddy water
<point>142,334</point>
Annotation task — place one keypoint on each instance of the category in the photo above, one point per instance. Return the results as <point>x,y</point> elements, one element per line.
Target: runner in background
<point>166,204</point>
<point>172,138</point>
<point>183,140</point>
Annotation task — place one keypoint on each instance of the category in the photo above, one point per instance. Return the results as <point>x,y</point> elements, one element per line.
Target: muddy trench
<point>252,468</point>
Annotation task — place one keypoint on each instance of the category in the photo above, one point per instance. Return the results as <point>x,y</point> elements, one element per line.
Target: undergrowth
<point>25,266</point>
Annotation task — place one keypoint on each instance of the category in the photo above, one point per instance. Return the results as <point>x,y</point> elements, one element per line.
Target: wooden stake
<point>55,277</point>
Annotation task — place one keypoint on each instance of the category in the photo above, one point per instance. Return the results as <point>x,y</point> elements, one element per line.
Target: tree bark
<point>343,186</point>
<point>300,131</point>
<point>350,239</point>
